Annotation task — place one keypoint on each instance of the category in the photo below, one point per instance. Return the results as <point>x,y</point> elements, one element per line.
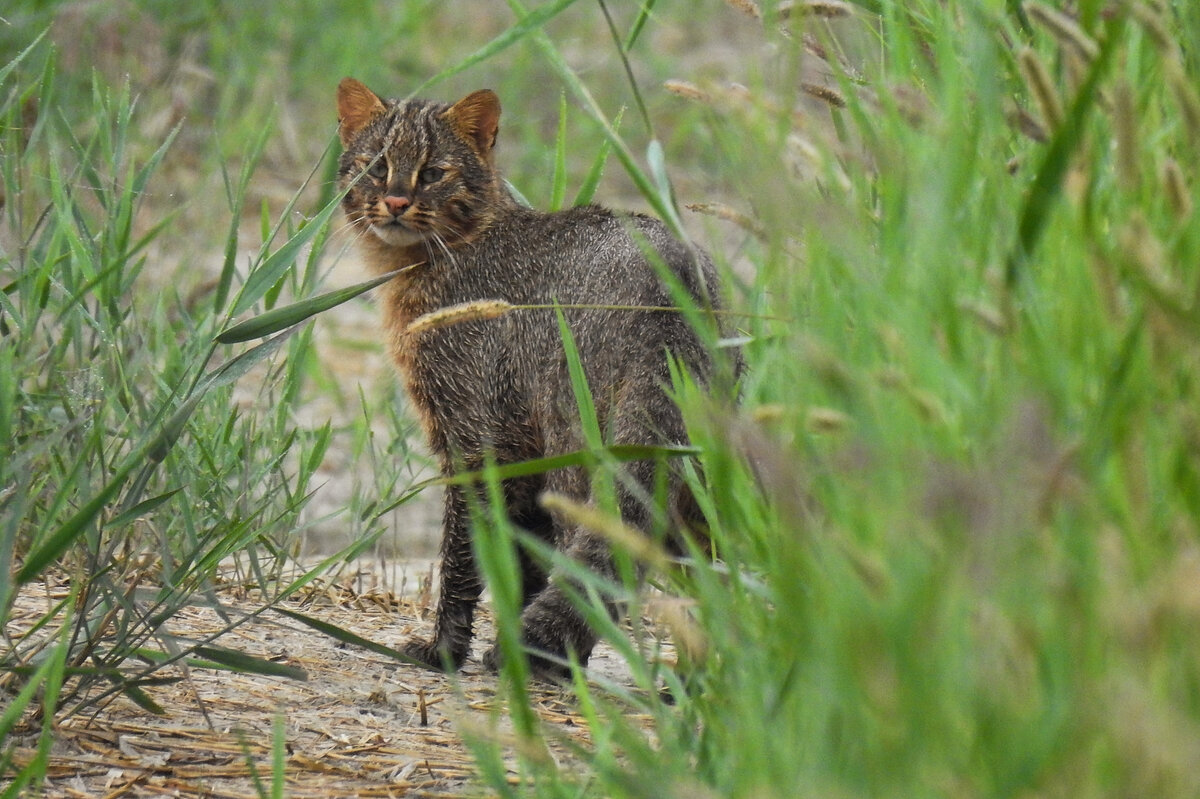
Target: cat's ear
<point>476,118</point>
<point>357,105</point>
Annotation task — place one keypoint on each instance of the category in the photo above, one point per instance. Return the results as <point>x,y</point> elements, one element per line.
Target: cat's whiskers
<point>436,238</point>
<point>351,229</point>
<point>445,231</point>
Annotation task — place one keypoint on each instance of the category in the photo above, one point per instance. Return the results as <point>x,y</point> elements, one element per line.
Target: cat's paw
<point>493,659</point>
<point>546,669</point>
<point>433,655</point>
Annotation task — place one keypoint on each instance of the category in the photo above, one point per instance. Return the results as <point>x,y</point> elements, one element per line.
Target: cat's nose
<point>396,205</point>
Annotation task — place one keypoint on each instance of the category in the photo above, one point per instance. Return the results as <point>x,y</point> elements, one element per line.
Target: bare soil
<point>359,725</point>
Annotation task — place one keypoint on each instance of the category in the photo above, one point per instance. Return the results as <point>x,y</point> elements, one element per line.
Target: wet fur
<point>500,387</point>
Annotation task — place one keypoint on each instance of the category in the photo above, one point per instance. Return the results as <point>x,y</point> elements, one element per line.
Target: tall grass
<point>102,382</point>
<point>956,514</point>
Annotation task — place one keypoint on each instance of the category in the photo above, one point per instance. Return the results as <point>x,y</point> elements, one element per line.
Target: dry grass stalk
<point>354,727</point>
<point>1042,88</point>
<point>1063,28</point>
<point>456,314</point>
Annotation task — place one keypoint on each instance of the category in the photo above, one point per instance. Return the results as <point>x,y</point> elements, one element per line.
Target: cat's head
<point>418,171</point>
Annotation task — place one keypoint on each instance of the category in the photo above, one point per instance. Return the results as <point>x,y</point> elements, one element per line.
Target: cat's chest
<point>439,351</point>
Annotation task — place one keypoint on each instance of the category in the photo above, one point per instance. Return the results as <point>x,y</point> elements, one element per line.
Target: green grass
<point>958,511</point>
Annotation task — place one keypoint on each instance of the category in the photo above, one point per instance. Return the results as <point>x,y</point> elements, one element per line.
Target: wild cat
<point>422,189</point>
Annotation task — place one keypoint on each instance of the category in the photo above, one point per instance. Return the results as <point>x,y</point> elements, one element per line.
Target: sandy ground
<point>359,725</point>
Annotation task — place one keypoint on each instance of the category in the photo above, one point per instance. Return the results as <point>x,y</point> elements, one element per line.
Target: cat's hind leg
<point>553,628</point>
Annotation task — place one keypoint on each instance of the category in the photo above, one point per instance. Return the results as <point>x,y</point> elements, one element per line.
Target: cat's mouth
<point>396,233</point>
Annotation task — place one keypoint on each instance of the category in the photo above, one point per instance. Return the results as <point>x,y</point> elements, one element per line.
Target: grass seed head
<point>1064,29</point>
<point>1125,127</point>
<point>1177,189</point>
<point>455,314</point>
<point>825,420</point>
<point>688,91</point>
<point>1042,88</point>
<point>1185,95</point>
<point>748,7</point>
<point>619,534</point>
<point>829,9</point>
<point>730,214</point>
<point>826,93</point>
<point>1152,21</point>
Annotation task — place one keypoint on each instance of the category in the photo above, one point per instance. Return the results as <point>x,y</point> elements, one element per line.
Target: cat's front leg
<point>458,593</point>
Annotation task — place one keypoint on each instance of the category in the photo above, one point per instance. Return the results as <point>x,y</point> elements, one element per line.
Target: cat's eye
<point>378,169</point>
<point>430,174</point>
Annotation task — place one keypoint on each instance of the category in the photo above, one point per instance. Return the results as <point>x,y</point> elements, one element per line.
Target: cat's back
<point>591,254</point>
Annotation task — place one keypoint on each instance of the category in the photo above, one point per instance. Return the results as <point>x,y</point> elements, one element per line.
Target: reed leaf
<point>346,637</point>
<point>1048,182</point>
<point>280,318</point>
<point>558,182</point>
<point>248,664</point>
<point>526,24</point>
<point>618,453</point>
<point>268,273</point>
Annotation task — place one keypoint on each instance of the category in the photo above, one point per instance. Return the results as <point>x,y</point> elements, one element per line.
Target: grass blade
<point>346,637</point>
<point>586,404</point>
<point>236,198</point>
<point>240,661</point>
<point>1048,183</point>
<point>11,65</point>
<point>587,458</point>
<point>262,279</point>
<point>142,699</point>
<point>639,24</point>
<point>141,509</point>
<point>591,181</point>
<point>559,181</point>
<point>526,24</point>
<point>643,183</point>
<point>279,318</point>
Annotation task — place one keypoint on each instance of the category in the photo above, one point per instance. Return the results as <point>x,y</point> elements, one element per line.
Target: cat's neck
<point>382,257</point>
